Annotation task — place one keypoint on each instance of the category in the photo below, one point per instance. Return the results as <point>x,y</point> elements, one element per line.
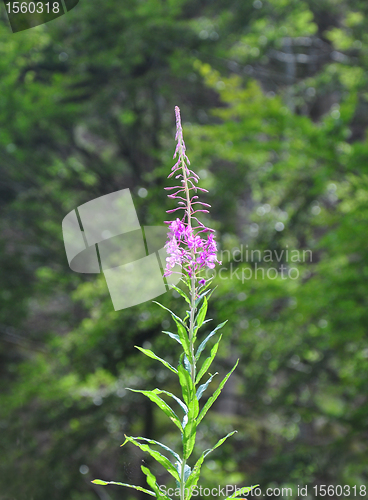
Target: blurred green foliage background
<point>274,101</point>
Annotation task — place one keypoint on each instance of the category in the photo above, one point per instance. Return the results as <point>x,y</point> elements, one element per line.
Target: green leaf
<point>195,329</point>
<point>193,408</point>
<point>173,336</point>
<point>178,400</point>
<point>203,344</point>
<point>194,476</point>
<point>203,387</point>
<point>219,443</point>
<point>174,316</point>
<point>184,339</point>
<point>152,441</point>
<point>152,355</point>
<point>200,297</point>
<point>153,396</point>
<point>187,470</point>
<point>201,314</point>
<point>139,488</point>
<point>151,480</point>
<point>207,362</point>
<point>187,364</point>
<point>180,291</point>
<point>163,446</point>
<point>242,491</point>
<point>215,395</point>
<point>190,429</point>
<point>186,383</point>
<point>161,459</point>
<point>182,330</point>
<point>189,436</point>
<point>190,425</point>
<point>187,316</point>
<point>189,422</point>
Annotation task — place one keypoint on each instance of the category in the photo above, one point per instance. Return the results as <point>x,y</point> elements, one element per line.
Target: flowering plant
<point>192,247</point>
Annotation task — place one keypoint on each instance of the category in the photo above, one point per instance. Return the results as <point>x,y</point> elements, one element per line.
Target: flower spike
<point>184,246</point>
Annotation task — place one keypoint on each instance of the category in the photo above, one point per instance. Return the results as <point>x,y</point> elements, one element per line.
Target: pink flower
<point>177,228</point>
<point>194,242</point>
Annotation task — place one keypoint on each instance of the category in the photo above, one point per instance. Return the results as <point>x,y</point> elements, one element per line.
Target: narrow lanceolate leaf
<point>189,435</point>
<point>215,395</point>
<point>204,386</point>
<point>173,336</point>
<point>178,400</point>
<point>161,459</point>
<point>187,365</point>
<point>193,408</point>
<point>207,362</point>
<point>194,476</point>
<point>182,330</point>
<point>186,317</point>
<point>151,480</point>
<point>186,383</point>
<point>200,297</point>
<point>195,329</point>
<point>203,344</point>
<point>163,446</point>
<point>174,316</point>
<point>184,339</point>
<point>152,355</point>
<point>242,491</point>
<point>201,314</point>
<point>153,396</point>
<point>139,488</point>
<point>211,292</point>
<point>180,292</point>
<point>219,443</point>
<point>190,428</point>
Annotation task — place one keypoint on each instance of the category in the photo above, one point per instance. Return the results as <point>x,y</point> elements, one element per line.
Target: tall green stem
<point>193,277</point>
<point>191,328</point>
<point>192,310</point>
<point>182,480</point>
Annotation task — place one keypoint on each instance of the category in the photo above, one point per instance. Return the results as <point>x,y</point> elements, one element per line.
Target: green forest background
<point>274,101</point>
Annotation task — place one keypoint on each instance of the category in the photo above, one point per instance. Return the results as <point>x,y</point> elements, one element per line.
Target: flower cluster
<point>185,246</point>
<point>188,249</point>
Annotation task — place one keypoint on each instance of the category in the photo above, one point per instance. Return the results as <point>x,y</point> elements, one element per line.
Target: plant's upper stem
<point>192,307</point>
